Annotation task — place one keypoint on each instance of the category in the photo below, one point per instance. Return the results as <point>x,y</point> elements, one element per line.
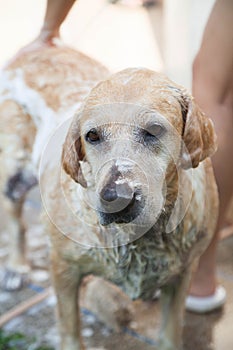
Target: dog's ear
<point>199,138</point>
<point>72,153</point>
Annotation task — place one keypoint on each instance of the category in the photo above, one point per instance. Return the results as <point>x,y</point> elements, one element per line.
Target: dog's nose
<point>109,194</point>
<point>120,204</point>
<point>115,197</point>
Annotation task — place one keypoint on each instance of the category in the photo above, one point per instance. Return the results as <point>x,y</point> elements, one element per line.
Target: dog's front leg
<point>172,307</point>
<point>67,280</point>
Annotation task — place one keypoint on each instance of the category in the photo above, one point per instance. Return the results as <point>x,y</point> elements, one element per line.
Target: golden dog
<point>139,203</point>
<point>136,209</point>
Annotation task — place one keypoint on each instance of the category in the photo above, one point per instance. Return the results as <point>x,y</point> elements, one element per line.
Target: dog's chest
<point>138,268</point>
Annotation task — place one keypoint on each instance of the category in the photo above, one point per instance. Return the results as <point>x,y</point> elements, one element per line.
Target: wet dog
<point>136,200</point>
<point>38,90</point>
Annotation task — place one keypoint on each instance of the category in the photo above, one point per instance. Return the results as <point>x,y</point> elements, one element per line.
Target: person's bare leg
<point>213,90</point>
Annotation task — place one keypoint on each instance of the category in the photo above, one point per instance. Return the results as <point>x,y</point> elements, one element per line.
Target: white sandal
<point>206,304</point>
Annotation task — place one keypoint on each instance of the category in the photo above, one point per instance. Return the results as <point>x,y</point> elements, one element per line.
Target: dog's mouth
<point>126,215</point>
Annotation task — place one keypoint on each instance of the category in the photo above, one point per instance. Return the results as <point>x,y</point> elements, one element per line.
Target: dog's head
<point>135,132</point>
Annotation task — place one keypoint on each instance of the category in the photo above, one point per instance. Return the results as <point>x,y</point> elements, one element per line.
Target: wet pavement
<point>123,36</point>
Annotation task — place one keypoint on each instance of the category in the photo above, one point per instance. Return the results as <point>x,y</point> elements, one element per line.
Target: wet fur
<point>58,80</point>
<point>163,256</point>
<point>37,92</point>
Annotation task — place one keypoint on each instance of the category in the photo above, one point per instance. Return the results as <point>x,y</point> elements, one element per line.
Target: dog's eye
<point>153,132</point>
<point>92,136</point>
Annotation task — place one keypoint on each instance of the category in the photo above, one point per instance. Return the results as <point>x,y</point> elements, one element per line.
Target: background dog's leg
<point>15,274</point>
<point>172,307</point>
<point>17,177</point>
<point>67,280</point>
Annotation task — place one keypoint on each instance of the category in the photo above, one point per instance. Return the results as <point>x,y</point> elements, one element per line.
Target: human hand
<point>45,39</point>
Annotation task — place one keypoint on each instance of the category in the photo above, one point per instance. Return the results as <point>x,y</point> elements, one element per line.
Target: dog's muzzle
<point>119,203</point>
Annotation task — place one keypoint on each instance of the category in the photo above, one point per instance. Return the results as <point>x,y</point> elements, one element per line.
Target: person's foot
<point>203,284</point>
<point>205,294</point>
<point>203,304</point>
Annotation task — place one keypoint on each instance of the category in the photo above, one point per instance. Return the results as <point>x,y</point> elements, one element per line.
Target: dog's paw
<point>11,279</point>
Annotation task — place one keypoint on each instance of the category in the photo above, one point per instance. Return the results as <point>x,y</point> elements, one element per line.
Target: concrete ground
<point>162,38</point>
